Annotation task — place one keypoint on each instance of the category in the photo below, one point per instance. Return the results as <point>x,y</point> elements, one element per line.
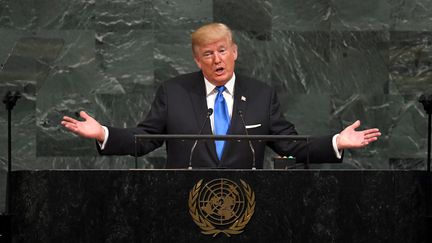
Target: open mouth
<point>219,71</point>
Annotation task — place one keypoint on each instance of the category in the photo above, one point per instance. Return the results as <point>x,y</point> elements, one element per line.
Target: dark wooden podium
<point>154,205</point>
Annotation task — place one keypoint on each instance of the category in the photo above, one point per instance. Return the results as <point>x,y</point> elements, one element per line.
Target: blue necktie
<point>221,119</point>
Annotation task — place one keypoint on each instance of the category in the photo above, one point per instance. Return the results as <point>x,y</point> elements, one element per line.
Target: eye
<point>207,54</point>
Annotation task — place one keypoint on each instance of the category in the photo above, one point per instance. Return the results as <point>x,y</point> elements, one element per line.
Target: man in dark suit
<point>181,106</point>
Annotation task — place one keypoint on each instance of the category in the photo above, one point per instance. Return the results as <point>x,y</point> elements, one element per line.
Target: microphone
<point>426,100</point>
<point>10,98</point>
<point>240,112</point>
<point>209,113</point>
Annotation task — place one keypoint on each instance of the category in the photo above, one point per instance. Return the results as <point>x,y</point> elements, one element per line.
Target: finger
<point>69,119</point>
<point>372,135</point>
<point>370,140</point>
<point>71,127</point>
<point>68,124</point>
<point>372,130</point>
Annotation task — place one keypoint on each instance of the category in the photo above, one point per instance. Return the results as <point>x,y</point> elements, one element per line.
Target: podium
<point>155,206</point>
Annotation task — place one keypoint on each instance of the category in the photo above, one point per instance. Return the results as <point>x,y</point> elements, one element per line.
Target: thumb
<point>84,115</point>
<point>355,125</point>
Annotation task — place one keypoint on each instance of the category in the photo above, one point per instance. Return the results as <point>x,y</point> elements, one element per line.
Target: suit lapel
<point>236,125</point>
<point>198,100</point>
<point>199,103</point>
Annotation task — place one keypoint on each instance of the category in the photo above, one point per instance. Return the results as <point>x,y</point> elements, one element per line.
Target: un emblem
<point>221,206</point>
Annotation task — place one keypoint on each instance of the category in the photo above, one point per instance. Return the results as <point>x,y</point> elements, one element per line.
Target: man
<point>181,106</point>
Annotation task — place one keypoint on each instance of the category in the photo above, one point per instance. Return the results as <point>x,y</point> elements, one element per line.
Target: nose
<point>217,58</point>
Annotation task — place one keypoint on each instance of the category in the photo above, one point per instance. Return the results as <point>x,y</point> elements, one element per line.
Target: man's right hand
<point>89,128</point>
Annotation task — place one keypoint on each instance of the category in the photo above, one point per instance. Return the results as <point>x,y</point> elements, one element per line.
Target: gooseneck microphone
<point>240,112</point>
<point>209,113</point>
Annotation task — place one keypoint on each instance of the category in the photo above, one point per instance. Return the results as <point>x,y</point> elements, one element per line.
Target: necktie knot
<point>220,89</point>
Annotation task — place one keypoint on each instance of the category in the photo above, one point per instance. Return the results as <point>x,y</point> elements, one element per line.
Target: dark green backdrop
<point>332,61</point>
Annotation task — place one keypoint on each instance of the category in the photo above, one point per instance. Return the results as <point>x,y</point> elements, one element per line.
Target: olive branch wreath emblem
<point>207,227</point>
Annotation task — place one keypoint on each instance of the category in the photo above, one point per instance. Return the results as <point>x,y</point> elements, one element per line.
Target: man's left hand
<point>350,138</point>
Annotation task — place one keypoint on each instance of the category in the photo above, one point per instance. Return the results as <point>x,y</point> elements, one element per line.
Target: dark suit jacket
<point>180,107</point>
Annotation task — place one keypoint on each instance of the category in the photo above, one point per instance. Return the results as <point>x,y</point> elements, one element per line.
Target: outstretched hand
<point>89,128</point>
<point>350,138</point>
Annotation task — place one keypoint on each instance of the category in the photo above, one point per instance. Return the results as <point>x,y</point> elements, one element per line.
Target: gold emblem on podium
<point>221,206</point>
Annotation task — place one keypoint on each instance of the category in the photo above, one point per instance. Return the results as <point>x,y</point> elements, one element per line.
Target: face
<point>216,60</point>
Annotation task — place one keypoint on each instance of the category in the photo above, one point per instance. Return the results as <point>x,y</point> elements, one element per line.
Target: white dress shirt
<point>228,94</point>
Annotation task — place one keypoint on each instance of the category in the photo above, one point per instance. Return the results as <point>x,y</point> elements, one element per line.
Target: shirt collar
<point>210,88</point>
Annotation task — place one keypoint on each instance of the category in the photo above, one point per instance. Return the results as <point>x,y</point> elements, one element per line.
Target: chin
<point>222,79</point>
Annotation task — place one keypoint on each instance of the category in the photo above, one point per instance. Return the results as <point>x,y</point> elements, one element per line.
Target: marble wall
<point>332,61</point>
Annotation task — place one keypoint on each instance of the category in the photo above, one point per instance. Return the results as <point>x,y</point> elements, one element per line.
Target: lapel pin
<point>243,98</point>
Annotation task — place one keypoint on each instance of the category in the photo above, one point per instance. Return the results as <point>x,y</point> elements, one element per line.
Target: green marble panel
<point>411,15</point>
<point>120,15</point>
<point>372,111</point>
<point>301,15</point>
<point>173,54</point>
<point>125,61</point>
<point>360,15</point>
<point>359,63</point>
<point>253,59</point>
<point>29,59</point>
<point>408,134</point>
<point>123,110</point>
<point>182,14</point>
<point>300,62</point>
<point>254,16</point>
<point>69,87</point>
<point>410,62</point>
<point>399,120</point>
<point>45,14</point>
<point>310,113</point>
<point>9,38</point>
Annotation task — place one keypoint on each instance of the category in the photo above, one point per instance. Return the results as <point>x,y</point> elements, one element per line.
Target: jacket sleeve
<point>121,141</point>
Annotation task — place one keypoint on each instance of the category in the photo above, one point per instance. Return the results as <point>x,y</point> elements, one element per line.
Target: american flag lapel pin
<point>243,98</point>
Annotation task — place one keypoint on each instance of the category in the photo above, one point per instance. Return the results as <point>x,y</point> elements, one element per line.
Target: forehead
<point>215,45</point>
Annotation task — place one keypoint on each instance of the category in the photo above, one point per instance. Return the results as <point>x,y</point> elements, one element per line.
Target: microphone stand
<point>9,100</point>
<point>240,112</point>
<point>426,100</point>
<point>427,105</point>
<point>209,113</point>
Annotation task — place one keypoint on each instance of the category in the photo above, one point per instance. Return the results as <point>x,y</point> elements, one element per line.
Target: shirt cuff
<point>338,152</point>
<point>102,145</point>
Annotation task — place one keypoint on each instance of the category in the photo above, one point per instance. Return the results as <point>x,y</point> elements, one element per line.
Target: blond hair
<point>210,33</point>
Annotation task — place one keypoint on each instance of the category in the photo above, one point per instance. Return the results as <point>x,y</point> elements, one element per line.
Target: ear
<point>197,61</point>
<point>235,51</point>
